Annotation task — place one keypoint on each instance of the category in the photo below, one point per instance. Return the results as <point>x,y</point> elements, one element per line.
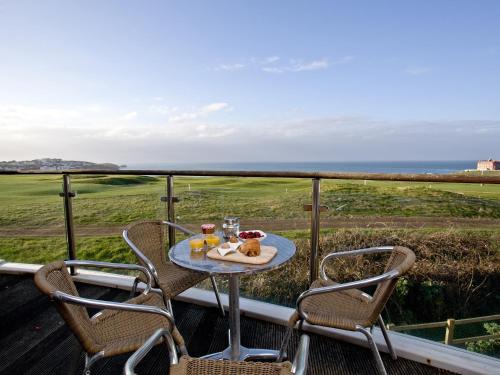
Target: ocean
<point>435,167</point>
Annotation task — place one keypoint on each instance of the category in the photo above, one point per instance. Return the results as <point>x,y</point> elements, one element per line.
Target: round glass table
<point>181,255</point>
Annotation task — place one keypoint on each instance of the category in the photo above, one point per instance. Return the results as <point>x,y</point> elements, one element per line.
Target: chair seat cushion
<point>120,331</point>
<point>344,309</point>
<point>174,279</point>
<point>197,366</point>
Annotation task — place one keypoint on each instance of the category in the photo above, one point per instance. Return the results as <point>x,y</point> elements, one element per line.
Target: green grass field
<point>101,200</point>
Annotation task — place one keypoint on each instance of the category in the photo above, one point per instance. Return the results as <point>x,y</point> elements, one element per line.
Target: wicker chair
<point>347,307</point>
<point>146,238</point>
<point>117,329</point>
<point>187,365</point>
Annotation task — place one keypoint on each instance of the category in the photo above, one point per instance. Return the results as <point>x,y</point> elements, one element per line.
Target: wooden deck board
<point>38,342</point>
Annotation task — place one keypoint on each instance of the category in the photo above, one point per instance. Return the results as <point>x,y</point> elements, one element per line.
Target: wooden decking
<point>35,340</point>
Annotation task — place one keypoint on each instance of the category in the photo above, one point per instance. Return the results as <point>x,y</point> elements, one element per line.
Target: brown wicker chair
<point>347,307</point>
<point>187,365</point>
<point>117,329</point>
<point>146,238</point>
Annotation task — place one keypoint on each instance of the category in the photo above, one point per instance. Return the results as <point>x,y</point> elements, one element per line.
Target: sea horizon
<point>435,167</point>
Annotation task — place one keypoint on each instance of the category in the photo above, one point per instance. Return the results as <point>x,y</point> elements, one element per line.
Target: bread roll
<point>250,248</point>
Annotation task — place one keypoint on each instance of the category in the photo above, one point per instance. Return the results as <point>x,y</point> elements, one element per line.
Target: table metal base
<point>245,354</point>
<point>235,351</point>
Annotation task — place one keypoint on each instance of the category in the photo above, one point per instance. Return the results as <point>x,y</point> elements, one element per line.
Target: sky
<point>213,81</point>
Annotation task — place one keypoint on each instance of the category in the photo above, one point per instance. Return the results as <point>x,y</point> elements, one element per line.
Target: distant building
<point>488,165</point>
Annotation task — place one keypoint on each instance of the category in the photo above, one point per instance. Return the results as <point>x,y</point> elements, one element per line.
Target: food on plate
<point>233,239</point>
<point>250,234</point>
<point>250,248</point>
<point>208,228</point>
<point>225,245</point>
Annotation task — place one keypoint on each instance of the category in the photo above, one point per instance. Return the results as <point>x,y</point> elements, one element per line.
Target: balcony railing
<point>315,207</point>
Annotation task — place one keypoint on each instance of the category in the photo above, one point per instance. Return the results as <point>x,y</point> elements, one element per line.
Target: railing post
<point>67,194</point>
<point>170,210</point>
<point>450,330</point>
<point>315,218</point>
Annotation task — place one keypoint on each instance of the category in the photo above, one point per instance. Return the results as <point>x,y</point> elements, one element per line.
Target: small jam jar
<point>208,228</point>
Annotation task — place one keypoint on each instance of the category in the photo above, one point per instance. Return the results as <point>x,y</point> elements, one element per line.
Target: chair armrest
<point>179,227</point>
<point>110,305</point>
<point>121,266</point>
<point>135,358</point>
<point>339,287</point>
<point>351,253</point>
<point>299,366</point>
<point>141,256</point>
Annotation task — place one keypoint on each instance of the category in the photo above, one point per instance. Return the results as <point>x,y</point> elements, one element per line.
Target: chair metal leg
<point>373,347</point>
<point>386,337</point>
<point>282,352</point>
<point>217,296</point>
<point>284,344</point>
<point>89,361</point>
<point>134,288</point>
<point>299,366</point>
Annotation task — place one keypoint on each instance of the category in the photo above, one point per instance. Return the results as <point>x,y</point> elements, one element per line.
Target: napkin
<point>232,248</point>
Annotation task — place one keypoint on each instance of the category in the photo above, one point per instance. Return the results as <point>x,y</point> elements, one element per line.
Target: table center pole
<point>234,315</point>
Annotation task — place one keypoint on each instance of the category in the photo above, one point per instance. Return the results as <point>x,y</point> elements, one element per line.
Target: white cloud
<point>198,113</point>
<point>230,67</point>
<point>29,132</point>
<point>214,107</point>
<point>162,109</point>
<point>272,69</point>
<point>129,116</point>
<point>311,65</point>
<point>297,66</point>
<point>270,64</point>
<point>418,70</point>
<point>269,60</point>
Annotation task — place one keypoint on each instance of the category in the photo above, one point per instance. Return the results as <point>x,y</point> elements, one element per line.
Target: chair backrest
<point>401,260</point>
<point>149,237</point>
<point>55,277</point>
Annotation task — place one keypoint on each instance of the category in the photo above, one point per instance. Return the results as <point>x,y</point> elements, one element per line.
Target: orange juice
<point>196,244</point>
<point>212,240</point>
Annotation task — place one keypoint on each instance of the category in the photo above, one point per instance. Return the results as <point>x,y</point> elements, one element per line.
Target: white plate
<point>263,234</point>
<point>232,248</point>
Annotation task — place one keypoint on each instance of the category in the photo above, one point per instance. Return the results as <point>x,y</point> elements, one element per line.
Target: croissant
<point>250,248</point>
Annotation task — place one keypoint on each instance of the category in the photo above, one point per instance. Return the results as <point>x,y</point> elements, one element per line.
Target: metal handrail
<point>281,174</point>
<point>315,207</point>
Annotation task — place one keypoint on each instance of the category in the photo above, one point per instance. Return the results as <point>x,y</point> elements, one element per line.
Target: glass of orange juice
<point>196,244</point>
<point>212,240</point>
